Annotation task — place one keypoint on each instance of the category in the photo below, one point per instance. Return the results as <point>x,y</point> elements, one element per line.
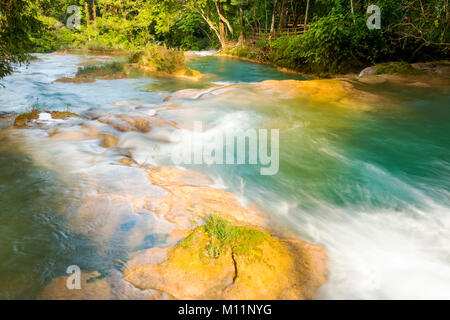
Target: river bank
<point>431,74</point>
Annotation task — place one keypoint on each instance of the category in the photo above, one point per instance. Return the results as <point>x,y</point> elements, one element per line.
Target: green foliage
<point>189,32</point>
<point>106,69</point>
<point>397,68</point>
<point>17,22</point>
<point>105,45</point>
<point>222,234</point>
<point>52,36</point>
<point>417,29</point>
<point>258,52</point>
<point>335,43</point>
<point>160,58</point>
<point>241,51</point>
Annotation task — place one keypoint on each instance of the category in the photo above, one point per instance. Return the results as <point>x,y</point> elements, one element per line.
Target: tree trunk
<point>94,13</point>
<point>86,9</point>
<point>221,17</point>
<point>255,18</point>
<point>282,22</point>
<point>242,35</point>
<point>220,35</point>
<point>222,29</point>
<point>267,16</point>
<point>274,12</point>
<point>446,10</point>
<point>294,14</point>
<point>306,14</point>
<point>219,30</point>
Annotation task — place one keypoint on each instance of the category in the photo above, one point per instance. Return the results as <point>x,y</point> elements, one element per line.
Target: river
<point>372,186</point>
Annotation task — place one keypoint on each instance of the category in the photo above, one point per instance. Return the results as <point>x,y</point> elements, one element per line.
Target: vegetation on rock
<point>222,233</point>
<point>224,261</point>
<point>24,118</point>
<point>63,114</point>
<point>18,19</point>
<point>162,59</point>
<point>75,80</point>
<point>109,70</point>
<point>34,112</point>
<point>397,68</point>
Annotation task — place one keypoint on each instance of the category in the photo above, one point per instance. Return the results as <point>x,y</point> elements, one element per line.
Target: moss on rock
<point>397,68</point>
<point>25,118</point>
<point>22,119</point>
<point>111,70</point>
<point>224,261</point>
<point>63,114</point>
<point>75,80</point>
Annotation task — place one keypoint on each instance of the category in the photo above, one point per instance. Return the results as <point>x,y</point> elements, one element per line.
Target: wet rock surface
<point>270,269</point>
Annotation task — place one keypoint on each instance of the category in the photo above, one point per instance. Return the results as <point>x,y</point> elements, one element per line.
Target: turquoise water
<point>226,70</point>
<point>371,186</point>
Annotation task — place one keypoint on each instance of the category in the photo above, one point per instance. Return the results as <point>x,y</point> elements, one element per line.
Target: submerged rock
<point>334,92</point>
<point>75,80</point>
<point>63,114</point>
<point>26,118</point>
<point>326,92</point>
<point>93,287</point>
<point>124,123</point>
<point>97,285</point>
<point>189,197</point>
<point>23,119</point>
<point>108,140</point>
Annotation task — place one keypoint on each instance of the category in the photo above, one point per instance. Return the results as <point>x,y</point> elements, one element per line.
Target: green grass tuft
<point>242,240</point>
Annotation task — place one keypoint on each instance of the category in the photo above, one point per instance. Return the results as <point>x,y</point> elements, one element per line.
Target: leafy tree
<point>212,11</point>
<point>17,21</point>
